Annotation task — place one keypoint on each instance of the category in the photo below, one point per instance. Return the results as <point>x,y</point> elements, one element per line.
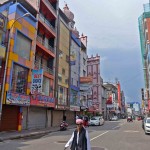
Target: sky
<point>112,30</point>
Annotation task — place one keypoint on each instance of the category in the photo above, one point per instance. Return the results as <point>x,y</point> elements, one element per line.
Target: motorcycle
<point>63,126</point>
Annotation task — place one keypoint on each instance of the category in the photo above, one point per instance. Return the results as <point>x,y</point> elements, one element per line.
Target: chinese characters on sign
<point>37,80</point>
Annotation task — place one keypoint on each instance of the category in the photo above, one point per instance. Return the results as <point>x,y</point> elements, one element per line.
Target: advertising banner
<point>37,80</point>
<point>2,21</point>
<point>42,100</point>
<point>17,99</point>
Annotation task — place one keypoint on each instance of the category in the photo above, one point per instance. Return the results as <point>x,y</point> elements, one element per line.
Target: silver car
<point>96,120</point>
<point>147,125</point>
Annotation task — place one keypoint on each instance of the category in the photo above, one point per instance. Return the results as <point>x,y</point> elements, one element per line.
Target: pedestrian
<point>77,117</point>
<point>80,138</point>
<point>64,118</point>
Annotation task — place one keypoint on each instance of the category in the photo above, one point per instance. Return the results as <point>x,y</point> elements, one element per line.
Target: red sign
<point>42,100</point>
<point>109,100</point>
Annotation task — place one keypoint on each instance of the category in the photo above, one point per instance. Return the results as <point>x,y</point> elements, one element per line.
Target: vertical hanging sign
<point>37,80</point>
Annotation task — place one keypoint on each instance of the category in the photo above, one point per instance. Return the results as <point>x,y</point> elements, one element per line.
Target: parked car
<point>147,125</point>
<point>114,118</point>
<point>96,120</point>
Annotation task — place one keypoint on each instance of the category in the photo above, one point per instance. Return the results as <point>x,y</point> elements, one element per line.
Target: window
<point>66,81</point>
<point>67,58</point>
<point>63,71</point>
<point>59,78</point>
<point>84,61</point>
<point>46,86</point>
<point>84,73</point>
<point>62,95</point>
<point>23,46</point>
<point>19,79</point>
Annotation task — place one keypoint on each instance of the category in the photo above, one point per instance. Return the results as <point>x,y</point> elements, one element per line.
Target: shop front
<point>40,111</point>
<point>12,112</point>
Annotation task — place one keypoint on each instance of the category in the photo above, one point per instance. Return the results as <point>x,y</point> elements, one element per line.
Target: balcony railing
<point>50,5</point>
<point>47,22</point>
<point>45,44</point>
<point>38,65</point>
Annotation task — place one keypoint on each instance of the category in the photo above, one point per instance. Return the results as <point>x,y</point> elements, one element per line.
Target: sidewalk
<point>9,135</point>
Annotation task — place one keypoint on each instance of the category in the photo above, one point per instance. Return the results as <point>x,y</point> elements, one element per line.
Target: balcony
<point>38,65</point>
<point>45,44</point>
<point>50,7</point>
<point>43,19</point>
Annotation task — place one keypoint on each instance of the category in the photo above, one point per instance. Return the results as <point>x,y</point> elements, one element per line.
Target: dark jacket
<point>82,143</point>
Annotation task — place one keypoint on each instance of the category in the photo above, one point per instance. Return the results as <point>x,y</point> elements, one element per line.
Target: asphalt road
<point>117,135</point>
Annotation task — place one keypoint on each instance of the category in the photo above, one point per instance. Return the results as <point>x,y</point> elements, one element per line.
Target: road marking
<point>131,131</point>
<point>99,136</point>
<point>121,124</point>
<point>115,127</point>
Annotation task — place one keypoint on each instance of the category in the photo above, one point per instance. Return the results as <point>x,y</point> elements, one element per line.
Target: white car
<point>96,120</point>
<point>147,125</point>
<point>114,118</point>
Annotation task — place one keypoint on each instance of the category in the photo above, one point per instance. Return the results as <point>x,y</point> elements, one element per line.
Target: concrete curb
<point>23,135</point>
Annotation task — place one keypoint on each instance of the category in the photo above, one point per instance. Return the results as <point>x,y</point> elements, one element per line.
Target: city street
<point>114,135</point>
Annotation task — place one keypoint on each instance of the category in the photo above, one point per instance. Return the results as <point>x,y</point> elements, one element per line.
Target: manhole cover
<point>97,148</point>
<point>62,141</point>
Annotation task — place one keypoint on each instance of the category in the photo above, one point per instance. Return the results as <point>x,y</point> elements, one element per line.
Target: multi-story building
<point>144,30</point>
<point>63,73</point>
<point>20,51</point>
<point>93,69</point>
<point>111,100</point>
<point>30,75</point>
<point>45,60</point>
<point>123,109</point>
<point>85,81</point>
<point>104,99</point>
<point>75,45</point>
<point>3,21</point>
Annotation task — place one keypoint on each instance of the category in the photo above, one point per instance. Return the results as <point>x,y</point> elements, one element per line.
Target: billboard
<point>37,80</point>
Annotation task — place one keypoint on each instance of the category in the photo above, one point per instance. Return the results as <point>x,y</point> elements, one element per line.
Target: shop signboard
<point>17,99</point>
<point>42,100</point>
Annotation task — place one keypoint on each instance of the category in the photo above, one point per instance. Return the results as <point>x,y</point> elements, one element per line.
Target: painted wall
<point>64,47</point>
<point>27,26</point>
<point>75,74</point>
<point>93,69</point>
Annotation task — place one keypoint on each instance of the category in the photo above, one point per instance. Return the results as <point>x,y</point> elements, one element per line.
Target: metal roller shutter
<point>37,118</point>
<point>57,117</point>
<point>24,122</point>
<point>9,118</point>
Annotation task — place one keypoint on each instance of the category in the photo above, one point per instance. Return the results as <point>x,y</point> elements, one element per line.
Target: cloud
<point>112,30</point>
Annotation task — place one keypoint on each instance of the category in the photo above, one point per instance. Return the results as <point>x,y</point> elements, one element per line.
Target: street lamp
<point>6,63</point>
